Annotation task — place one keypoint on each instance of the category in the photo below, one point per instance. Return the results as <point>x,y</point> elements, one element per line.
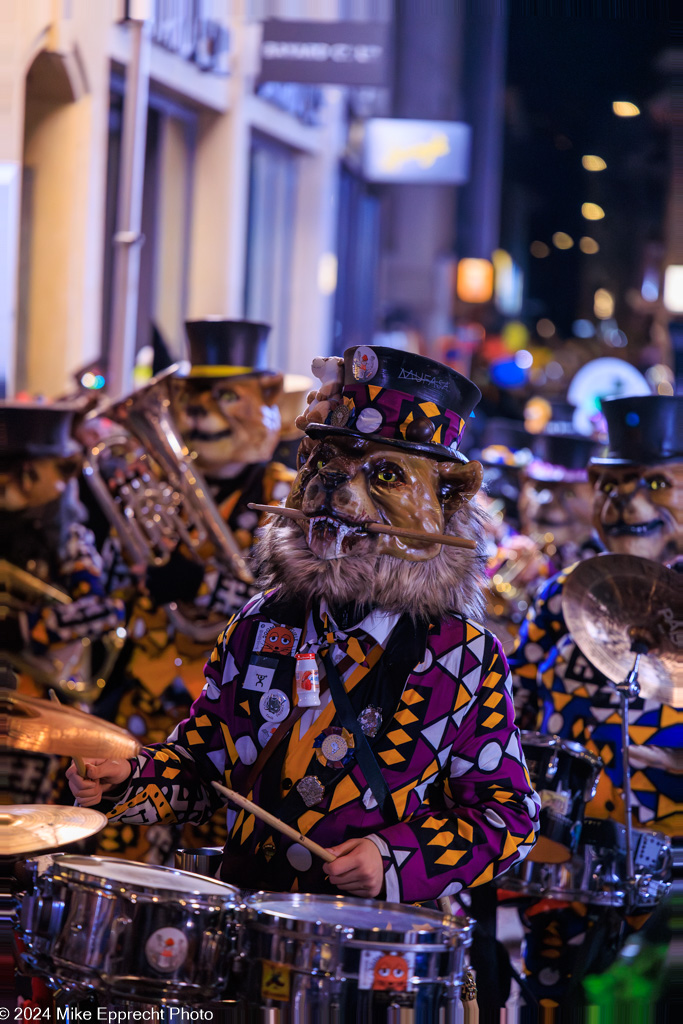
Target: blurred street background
<point>496,185</point>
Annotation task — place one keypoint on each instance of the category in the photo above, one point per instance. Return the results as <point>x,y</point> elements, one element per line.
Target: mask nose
<point>332,476</point>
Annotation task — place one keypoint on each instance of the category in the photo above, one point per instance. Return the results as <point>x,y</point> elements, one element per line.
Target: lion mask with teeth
<point>343,483</point>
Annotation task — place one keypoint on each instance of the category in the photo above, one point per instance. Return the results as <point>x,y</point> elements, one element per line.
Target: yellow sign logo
<point>275,980</point>
<point>425,154</point>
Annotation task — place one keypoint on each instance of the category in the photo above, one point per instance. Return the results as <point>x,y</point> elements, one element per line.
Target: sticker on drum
<point>166,949</point>
<point>275,980</point>
<point>386,971</point>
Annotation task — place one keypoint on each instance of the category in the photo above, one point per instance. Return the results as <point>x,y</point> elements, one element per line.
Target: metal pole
<point>628,690</point>
<point>128,237</point>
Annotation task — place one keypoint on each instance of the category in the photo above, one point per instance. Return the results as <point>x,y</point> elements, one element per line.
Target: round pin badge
<point>266,731</point>
<point>334,748</point>
<point>365,364</point>
<point>369,421</point>
<point>274,706</point>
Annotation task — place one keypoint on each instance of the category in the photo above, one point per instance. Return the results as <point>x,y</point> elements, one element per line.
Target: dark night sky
<point>562,75</point>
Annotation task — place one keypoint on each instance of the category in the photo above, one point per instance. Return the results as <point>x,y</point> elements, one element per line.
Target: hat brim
<point>433,451</point>
<point>654,460</point>
<point>188,375</point>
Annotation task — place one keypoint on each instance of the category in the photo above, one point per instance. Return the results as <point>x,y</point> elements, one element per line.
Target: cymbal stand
<point>628,690</point>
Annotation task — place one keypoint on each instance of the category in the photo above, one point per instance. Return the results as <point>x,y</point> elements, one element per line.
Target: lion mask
<point>344,483</point>
<point>229,423</point>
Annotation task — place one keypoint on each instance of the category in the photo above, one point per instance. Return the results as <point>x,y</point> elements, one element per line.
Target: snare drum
<point>324,958</point>
<point>596,874</point>
<point>131,930</point>
<point>564,774</point>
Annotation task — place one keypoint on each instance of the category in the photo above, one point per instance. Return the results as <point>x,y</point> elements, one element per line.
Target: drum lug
<point>551,770</point>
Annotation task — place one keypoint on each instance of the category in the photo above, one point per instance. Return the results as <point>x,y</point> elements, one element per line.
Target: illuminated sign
<point>324,52</point>
<point>432,152</point>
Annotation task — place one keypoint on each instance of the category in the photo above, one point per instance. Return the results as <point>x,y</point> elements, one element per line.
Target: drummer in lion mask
<point>638,510</point>
<point>410,767</point>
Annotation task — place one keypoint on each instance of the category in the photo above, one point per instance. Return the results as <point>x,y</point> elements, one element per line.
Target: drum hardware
<point>620,612</point>
<point>564,774</point>
<point>27,829</point>
<point>392,531</point>
<point>31,724</point>
<point>204,860</point>
<point>168,500</point>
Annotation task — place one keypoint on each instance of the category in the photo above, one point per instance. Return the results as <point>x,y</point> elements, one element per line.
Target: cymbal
<point>29,723</point>
<point>26,829</point>
<point>611,601</point>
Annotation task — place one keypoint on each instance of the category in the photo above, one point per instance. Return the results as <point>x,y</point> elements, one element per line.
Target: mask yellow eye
<point>387,476</point>
<point>320,464</point>
<point>657,483</point>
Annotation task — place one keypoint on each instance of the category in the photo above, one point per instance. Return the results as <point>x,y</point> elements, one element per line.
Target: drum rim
<point>60,863</point>
<point>552,739</point>
<point>442,922</point>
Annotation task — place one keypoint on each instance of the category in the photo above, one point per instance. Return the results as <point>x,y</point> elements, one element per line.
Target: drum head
<point>347,912</point>
<point>114,873</point>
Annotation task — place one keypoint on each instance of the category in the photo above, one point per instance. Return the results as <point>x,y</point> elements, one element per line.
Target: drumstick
<point>270,819</point>
<point>393,531</point>
<point>77,760</point>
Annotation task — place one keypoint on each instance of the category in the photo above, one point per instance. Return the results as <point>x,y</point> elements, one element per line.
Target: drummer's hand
<point>102,775</point>
<point>358,868</point>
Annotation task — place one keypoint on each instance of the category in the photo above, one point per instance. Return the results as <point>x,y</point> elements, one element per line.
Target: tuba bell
<point>143,475</point>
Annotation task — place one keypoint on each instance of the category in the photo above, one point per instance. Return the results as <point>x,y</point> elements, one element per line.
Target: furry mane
<point>452,582</point>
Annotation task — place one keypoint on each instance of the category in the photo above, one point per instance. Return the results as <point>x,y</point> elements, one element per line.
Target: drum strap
<point>366,759</point>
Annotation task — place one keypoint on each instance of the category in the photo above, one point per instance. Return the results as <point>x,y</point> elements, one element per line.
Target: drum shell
<point>564,774</point>
<point>101,933</point>
<point>323,961</point>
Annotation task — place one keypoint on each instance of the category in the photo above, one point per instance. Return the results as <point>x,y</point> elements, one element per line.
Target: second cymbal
<point>29,723</point>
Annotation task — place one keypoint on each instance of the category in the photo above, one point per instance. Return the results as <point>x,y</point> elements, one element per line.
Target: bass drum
<point>324,959</point>
<point>596,874</point>
<point>129,930</point>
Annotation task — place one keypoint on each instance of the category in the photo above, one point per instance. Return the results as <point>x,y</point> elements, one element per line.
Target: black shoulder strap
<point>364,755</point>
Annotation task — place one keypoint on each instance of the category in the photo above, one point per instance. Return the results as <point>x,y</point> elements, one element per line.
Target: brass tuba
<point>150,490</point>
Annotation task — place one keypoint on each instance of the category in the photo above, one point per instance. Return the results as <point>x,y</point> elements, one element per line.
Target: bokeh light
<point>545,328</point>
<point>588,245</point>
<point>593,163</point>
<point>623,108</point>
<point>539,249</point>
<point>603,304</point>
<point>591,211</point>
<point>561,240</point>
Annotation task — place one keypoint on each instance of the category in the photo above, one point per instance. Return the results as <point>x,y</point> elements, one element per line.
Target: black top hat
<point>36,431</point>
<point>643,430</point>
<point>560,456</point>
<point>403,400</point>
<point>227,348</point>
<point>505,442</point>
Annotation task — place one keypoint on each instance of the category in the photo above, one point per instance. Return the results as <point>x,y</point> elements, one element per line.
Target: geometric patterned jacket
<point>557,690</point>
<point>440,697</point>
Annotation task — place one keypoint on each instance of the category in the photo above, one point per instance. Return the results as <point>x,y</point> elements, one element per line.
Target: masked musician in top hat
<point>409,765</point>
<point>225,407</point>
<point>53,603</point>
<point>638,510</point>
